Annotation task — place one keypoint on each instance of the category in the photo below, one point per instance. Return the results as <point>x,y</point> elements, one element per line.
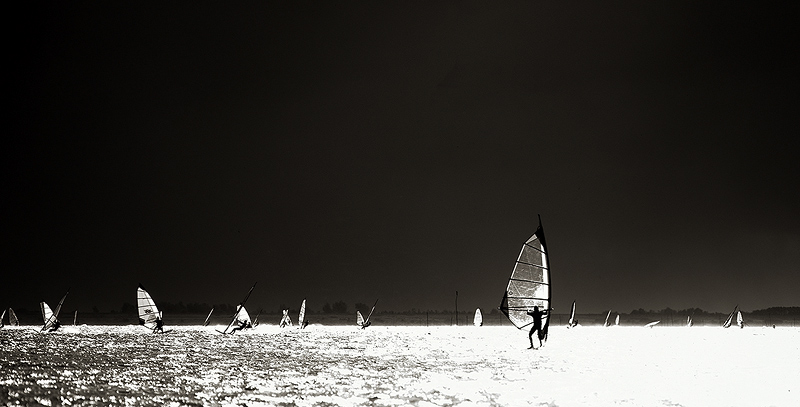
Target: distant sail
<point>478,320</point>
<point>607,315</point>
<point>301,319</point>
<point>572,321</point>
<point>2,319</point>
<point>652,324</point>
<point>729,321</point>
<point>617,320</point>
<point>208,317</point>
<point>689,321</point>
<point>149,315</point>
<point>50,317</point>
<point>363,323</point>
<point>12,318</point>
<point>241,318</point>
<point>529,284</point>
<point>75,318</point>
<point>739,319</point>
<point>285,320</point>
<point>255,320</point>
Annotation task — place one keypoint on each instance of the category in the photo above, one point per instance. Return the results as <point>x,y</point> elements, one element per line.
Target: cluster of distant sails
<point>152,318</point>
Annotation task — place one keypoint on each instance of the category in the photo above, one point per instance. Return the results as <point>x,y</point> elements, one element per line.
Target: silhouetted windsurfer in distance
<point>537,325</point>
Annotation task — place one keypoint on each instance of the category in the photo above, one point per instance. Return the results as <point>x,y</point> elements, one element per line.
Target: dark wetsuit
<point>537,325</point>
<point>159,326</point>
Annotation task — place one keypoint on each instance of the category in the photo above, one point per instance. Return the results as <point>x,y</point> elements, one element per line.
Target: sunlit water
<point>396,366</point>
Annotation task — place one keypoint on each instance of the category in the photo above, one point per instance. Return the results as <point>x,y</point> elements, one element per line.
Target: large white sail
<point>301,319</point>
<point>12,318</point>
<point>529,284</point>
<point>729,320</point>
<point>478,320</point>
<point>241,319</point>
<point>149,315</point>
<point>50,317</point>
<point>365,322</point>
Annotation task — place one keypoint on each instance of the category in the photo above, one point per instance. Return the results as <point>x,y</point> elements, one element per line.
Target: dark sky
<point>402,151</point>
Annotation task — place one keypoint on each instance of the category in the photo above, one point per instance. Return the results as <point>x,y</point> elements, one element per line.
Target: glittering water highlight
<point>393,366</point>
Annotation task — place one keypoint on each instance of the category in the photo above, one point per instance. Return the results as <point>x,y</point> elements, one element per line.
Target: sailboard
<point>739,319</point>
<point>572,322</point>
<point>208,317</point>
<point>149,315</point>
<point>301,318</point>
<point>607,315</point>
<point>616,322</point>
<point>652,324</point>
<point>241,318</point>
<point>529,284</point>
<point>50,317</point>
<point>12,318</point>
<point>478,320</point>
<point>729,320</point>
<point>285,320</point>
<point>361,321</point>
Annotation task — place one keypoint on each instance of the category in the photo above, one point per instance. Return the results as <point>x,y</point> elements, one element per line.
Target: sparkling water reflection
<point>388,366</point>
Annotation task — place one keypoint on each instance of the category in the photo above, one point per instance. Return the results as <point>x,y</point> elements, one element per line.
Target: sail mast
<point>529,284</point>
<point>240,308</point>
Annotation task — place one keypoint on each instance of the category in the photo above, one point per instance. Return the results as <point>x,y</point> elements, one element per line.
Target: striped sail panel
<point>47,316</point>
<point>529,284</point>
<point>148,312</point>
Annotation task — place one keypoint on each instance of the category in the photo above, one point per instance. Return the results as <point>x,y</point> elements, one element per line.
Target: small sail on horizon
<point>652,324</point>
<point>240,318</point>
<point>605,324</point>
<point>12,318</point>
<point>75,319</point>
<point>149,315</point>
<point>572,321</point>
<point>361,321</point>
<point>689,320</point>
<point>2,319</point>
<point>208,318</point>
<point>529,285</point>
<point>301,318</point>
<point>478,320</point>
<point>255,320</point>
<point>285,319</point>
<point>739,319</point>
<point>729,320</point>
<point>616,322</point>
<point>51,318</point>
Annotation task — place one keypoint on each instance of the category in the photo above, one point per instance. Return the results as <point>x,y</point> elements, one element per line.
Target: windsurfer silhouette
<point>159,326</point>
<point>537,325</point>
<point>55,326</point>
